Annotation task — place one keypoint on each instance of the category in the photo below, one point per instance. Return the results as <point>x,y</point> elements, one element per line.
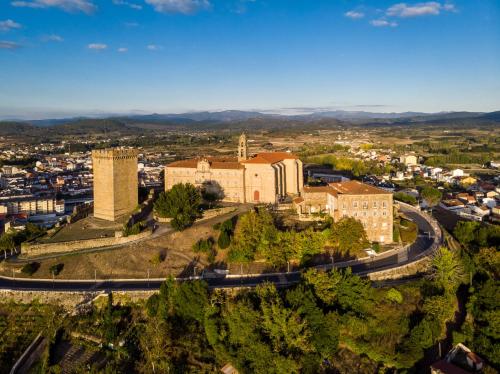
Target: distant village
<point>47,191</point>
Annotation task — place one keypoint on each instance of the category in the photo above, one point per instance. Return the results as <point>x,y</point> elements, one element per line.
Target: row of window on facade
<point>365,204</point>
<point>190,172</point>
<point>364,214</point>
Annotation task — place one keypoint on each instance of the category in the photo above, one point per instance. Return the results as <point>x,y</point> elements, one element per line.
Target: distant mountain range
<point>237,121</point>
<point>237,115</point>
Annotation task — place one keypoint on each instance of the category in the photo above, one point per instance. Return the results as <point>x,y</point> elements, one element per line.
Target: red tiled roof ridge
<point>270,158</point>
<point>356,188</point>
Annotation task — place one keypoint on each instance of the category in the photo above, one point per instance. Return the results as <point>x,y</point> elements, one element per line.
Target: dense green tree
<point>342,289</point>
<point>181,203</point>
<point>190,300</point>
<point>431,195</point>
<point>254,232</point>
<point>285,328</point>
<point>465,231</point>
<point>447,270</point>
<point>324,328</point>
<point>348,236</point>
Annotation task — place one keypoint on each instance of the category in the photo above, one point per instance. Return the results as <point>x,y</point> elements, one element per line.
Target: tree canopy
<point>181,203</point>
<point>348,236</point>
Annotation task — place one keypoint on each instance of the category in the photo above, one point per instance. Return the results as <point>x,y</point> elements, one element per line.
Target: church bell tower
<point>242,148</point>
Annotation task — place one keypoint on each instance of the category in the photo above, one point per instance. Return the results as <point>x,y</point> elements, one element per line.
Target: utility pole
<point>148,278</point>
<point>95,275</point>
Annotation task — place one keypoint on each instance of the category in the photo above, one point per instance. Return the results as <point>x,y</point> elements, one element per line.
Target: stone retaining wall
<point>211,213</point>
<point>37,249</point>
<point>416,267</point>
<point>69,300</point>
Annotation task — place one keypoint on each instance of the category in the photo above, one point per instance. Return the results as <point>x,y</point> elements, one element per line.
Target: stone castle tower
<point>115,182</point>
<point>242,148</point>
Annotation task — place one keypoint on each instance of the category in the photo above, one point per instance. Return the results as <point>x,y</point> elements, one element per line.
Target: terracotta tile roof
<point>270,158</point>
<point>298,200</point>
<point>215,163</point>
<point>320,189</point>
<point>452,202</point>
<point>357,188</point>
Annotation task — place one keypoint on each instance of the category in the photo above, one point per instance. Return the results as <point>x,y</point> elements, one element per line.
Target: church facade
<point>266,177</point>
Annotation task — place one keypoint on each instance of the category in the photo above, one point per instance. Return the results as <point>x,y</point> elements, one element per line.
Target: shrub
<point>152,305</point>
<point>157,258</point>
<point>376,247</point>
<point>405,198</point>
<point>211,255</point>
<point>228,226</point>
<point>31,268</point>
<point>224,240</point>
<point>135,229</point>
<point>395,234</point>
<point>203,245</point>
<point>56,269</point>
<point>394,296</point>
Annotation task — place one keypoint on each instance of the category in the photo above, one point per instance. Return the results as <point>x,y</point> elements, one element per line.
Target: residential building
<point>408,159</point>
<point>31,206</point>
<point>371,205</point>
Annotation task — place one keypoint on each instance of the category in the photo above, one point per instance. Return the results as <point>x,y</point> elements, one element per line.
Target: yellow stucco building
<point>264,178</point>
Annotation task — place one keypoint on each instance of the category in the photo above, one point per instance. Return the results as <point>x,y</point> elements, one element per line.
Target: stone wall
<point>37,249</point>
<point>115,182</point>
<point>69,300</point>
<point>211,213</point>
<point>416,267</point>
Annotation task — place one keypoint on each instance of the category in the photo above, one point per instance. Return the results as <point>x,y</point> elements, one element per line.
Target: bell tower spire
<point>242,148</point>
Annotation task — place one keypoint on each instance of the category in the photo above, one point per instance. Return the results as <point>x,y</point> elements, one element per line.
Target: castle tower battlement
<point>115,182</point>
<point>115,153</point>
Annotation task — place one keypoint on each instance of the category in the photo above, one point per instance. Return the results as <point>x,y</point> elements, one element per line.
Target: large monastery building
<point>264,178</point>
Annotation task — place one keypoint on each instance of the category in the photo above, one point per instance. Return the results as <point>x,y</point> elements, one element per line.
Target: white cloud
<point>52,38</point>
<point>354,14</point>
<point>178,6</point>
<point>131,24</point>
<point>4,44</point>
<point>9,24</point>
<point>429,8</point>
<point>126,3</point>
<point>86,6</point>
<point>154,47</point>
<point>383,23</point>
<point>97,46</point>
<point>122,50</point>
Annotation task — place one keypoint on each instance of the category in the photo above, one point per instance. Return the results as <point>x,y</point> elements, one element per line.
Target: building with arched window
<point>264,178</point>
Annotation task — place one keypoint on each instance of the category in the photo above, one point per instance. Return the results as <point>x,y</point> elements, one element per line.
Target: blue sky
<point>68,57</point>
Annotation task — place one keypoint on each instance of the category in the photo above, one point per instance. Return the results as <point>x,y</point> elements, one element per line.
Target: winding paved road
<point>429,238</point>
